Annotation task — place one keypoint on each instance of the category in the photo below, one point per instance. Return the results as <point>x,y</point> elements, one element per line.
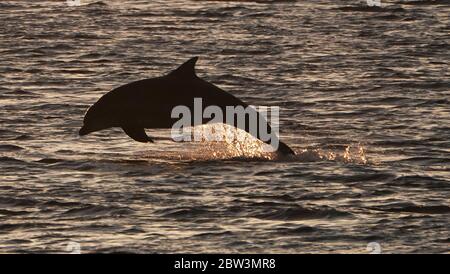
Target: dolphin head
<point>95,119</point>
<point>85,130</point>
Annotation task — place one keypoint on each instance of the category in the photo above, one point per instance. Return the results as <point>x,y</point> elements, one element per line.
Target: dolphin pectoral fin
<point>137,134</point>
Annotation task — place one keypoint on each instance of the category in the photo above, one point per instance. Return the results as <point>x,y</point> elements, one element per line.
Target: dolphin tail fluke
<point>285,149</point>
<point>137,134</point>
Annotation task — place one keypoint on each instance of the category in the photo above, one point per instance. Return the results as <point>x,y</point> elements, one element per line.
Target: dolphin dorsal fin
<point>187,69</point>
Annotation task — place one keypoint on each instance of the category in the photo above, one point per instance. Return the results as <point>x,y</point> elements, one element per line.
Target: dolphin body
<point>148,104</point>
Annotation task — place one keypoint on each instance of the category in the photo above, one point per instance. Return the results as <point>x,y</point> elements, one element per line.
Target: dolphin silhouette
<point>148,104</point>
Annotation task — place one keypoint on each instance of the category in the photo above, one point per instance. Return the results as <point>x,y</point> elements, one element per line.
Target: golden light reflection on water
<point>350,154</point>
<point>221,141</point>
<point>239,145</point>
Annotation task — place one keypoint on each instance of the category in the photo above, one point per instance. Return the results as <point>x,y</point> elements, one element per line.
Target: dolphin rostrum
<point>148,104</point>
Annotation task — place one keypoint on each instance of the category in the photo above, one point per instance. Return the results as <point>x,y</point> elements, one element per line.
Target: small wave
<point>133,230</point>
<point>11,160</point>
<point>23,137</point>
<point>184,213</point>
<point>7,212</point>
<point>387,17</point>
<point>84,35</point>
<point>18,242</point>
<point>8,202</point>
<point>49,106</point>
<point>45,50</point>
<point>9,227</point>
<point>303,229</point>
<point>433,102</point>
<point>18,94</point>
<point>209,235</point>
<point>370,9</point>
<point>425,2</point>
<point>97,211</point>
<point>427,160</point>
<point>301,213</point>
<point>138,14</point>
<point>259,14</point>
<point>175,192</point>
<point>98,8</point>
<point>4,148</point>
<point>444,240</point>
<point>97,4</point>
<point>90,4</point>
<point>62,204</point>
<point>255,1</point>
<point>49,161</point>
<point>4,132</point>
<point>9,6</point>
<point>413,208</point>
<point>420,181</point>
<point>14,226</point>
<point>424,85</point>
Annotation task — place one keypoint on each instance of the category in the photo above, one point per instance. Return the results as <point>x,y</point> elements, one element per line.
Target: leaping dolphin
<point>148,104</point>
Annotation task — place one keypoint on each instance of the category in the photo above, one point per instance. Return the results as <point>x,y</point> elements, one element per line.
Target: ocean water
<point>364,96</point>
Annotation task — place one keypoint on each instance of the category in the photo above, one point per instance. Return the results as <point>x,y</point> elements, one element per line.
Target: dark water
<point>364,96</point>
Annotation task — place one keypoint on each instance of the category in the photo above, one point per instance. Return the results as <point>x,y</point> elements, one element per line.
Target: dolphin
<point>149,103</point>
